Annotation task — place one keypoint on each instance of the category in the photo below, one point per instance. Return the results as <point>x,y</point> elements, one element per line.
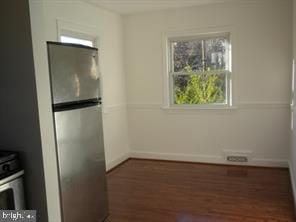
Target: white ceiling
<point>136,6</point>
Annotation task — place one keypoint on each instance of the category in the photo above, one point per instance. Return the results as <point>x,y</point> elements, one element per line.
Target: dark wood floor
<point>156,191</point>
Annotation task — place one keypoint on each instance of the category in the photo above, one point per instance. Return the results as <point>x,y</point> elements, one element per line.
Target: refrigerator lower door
<point>81,161</point>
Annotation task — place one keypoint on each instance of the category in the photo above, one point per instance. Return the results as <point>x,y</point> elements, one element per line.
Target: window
<point>68,36</point>
<point>70,32</point>
<point>199,70</point>
<point>68,39</point>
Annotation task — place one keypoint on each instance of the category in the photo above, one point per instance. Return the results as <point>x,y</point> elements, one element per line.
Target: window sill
<point>197,107</point>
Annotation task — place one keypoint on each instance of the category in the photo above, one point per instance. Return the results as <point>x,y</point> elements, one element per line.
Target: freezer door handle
<point>76,105</point>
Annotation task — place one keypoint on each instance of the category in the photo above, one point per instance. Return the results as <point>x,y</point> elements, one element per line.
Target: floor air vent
<point>240,159</point>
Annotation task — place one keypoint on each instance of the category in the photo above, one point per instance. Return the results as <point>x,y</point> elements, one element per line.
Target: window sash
<point>76,40</point>
<point>228,82</point>
<point>200,38</point>
<point>211,72</point>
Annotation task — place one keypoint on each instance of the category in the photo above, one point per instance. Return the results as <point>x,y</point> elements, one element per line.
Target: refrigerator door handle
<point>76,105</point>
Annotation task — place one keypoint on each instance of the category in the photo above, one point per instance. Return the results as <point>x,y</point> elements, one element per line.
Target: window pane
<point>68,39</point>
<point>187,54</point>
<point>216,53</point>
<point>202,54</point>
<point>206,88</point>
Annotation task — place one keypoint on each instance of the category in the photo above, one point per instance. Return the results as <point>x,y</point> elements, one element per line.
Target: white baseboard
<point>113,163</point>
<point>206,159</point>
<point>200,159</point>
<point>176,157</point>
<point>293,182</point>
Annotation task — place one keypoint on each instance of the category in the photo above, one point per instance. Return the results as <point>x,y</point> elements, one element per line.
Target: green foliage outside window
<point>207,87</point>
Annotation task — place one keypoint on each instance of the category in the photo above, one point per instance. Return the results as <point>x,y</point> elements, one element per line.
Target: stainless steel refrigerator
<point>79,133</point>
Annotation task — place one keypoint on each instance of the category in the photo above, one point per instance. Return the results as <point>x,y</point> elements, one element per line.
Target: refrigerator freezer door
<point>73,72</point>
<point>81,164</point>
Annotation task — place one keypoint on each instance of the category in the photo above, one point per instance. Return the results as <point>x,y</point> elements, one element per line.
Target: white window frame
<point>168,37</point>
<point>71,29</point>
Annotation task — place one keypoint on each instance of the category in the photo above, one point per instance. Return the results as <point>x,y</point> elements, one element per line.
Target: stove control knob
<point>6,167</point>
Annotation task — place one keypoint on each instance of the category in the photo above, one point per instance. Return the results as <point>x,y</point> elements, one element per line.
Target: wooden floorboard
<point>156,191</point>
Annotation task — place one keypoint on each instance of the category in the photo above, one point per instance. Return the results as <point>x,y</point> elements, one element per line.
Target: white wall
<point>262,53</point>
<point>293,111</point>
<point>108,27</point>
